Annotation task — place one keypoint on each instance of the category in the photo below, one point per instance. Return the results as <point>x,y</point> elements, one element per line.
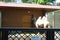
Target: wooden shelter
<point>21,14</point>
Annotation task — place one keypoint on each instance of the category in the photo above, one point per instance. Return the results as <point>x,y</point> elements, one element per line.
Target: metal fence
<point>28,33</point>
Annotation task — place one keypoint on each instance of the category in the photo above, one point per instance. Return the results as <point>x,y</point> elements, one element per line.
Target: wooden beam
<point>27,5</point>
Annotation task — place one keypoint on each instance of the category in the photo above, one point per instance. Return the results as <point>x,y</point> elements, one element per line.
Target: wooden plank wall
<point>19,18</point>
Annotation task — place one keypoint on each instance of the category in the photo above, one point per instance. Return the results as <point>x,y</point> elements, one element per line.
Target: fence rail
<point>50,34</point>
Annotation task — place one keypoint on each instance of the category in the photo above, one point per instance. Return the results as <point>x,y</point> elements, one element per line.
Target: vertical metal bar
<point>47,35</point>
<point>0,19</point>
<point>53,19</point>
<point>0,35</point>
<point>50,35</point>
<point>4,35</point>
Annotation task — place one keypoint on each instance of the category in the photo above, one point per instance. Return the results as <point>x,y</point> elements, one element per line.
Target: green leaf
<point>24,1</point>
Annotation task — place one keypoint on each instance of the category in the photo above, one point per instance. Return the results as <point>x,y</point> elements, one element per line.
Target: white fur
<point>41,21</point>
<point>38,22</point>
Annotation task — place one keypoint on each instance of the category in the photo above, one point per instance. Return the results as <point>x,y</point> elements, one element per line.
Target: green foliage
<point>58,4</point>
<point>42,1</point>
<point>24,1</point>
<point>38,1</point>
<point>7,0</point>
<point>32,1</point>
<point>0,0</point>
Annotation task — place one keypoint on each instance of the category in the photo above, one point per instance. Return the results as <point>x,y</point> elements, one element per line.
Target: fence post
<point>50,35</point>
<point>4,35</point>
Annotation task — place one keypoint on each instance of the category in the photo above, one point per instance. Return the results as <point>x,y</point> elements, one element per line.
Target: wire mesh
<point>57,35</point>
<point>18,35</point>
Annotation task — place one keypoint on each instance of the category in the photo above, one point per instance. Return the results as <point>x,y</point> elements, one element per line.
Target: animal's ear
<point>40,17</point>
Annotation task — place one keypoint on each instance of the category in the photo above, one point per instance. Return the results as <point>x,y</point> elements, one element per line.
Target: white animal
<point>38,22</point>
<point>43,21</point>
